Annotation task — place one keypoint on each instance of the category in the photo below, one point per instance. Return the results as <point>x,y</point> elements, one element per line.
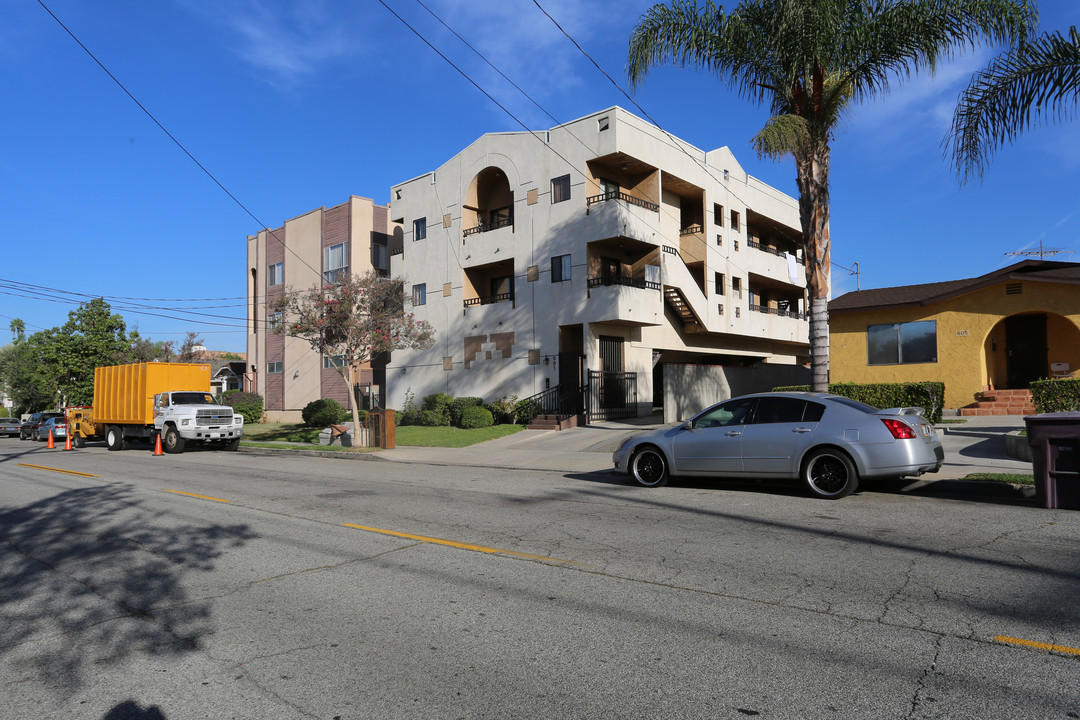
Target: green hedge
<point>1056,395</point>
<point>324,412</point>
<point>248,404</point>
<point>475,416</point>
<point>927,395</point>
<point>458,406</point>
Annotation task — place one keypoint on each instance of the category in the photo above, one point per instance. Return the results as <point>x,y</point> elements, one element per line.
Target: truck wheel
<point>78,441</point>
<point>171,441</point>
<point>114,438</point>
<point>233,445</point>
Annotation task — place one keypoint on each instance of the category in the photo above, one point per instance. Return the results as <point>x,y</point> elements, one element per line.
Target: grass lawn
<point>267,434</point>
<point>450,436</point>
<point>1015,478</point>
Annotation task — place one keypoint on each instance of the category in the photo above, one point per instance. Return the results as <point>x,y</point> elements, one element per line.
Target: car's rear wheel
<point>830,474</point>
<point>649,467</point>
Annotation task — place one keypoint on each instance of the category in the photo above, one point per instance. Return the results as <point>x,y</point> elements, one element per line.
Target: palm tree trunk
<point>813,181</point>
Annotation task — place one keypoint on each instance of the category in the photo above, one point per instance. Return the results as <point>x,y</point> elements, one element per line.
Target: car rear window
<point>861,406</point>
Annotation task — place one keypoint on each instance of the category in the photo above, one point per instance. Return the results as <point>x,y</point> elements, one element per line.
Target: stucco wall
<point>970,338</point>
<point>688,389</point>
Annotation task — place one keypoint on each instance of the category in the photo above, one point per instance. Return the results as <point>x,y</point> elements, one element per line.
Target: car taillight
<point>899,429</point>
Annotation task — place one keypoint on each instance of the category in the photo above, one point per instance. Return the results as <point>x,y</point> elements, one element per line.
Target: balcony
<point>489,300</point>
<point>623,197</point>
<point>624,300</point>
<point>498,220</point>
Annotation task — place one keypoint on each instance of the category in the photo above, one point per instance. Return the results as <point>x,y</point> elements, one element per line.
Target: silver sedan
<point>828,441</point>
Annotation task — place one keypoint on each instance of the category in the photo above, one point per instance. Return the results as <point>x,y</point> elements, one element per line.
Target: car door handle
<point>803,430</point>
<point>733,433</point>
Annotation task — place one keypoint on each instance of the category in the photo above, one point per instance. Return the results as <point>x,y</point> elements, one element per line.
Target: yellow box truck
<point>141,400</point>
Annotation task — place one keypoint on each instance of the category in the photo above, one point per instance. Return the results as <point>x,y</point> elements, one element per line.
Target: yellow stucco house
<point>998,331</point>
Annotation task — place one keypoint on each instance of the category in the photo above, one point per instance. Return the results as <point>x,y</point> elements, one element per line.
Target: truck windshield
<point>192,398</point>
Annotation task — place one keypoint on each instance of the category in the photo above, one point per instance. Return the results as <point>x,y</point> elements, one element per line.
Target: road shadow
<point>88,576</point>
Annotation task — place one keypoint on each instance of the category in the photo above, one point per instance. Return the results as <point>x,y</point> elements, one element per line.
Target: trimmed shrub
<point>503,410</point>
<point>458,406</point>
<point>927,395</point>
<point>439,405</point>
<point>476,417</point>
<point>525,411</point>
<point>248,404</point>
<point>1056,395</point>
<point>433,418</point>
<point>324,412</point>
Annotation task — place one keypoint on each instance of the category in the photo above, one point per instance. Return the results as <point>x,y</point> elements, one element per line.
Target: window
<point>560,268</point>
<point>275,274</point>
<point>275,367</point>
<point>273,321</point>
<point>719,239</point>
<point>333,363</point>
<point>735,220</point>
<point>902,343</point>
<point>719,282</point>
<point>603,124</point>
<point>736,287</point>
<point>335,262</point>
<point>419,229</point>
<point>560,189</point>
<point>736,244</point>
<point>718,215</point>
<point>502,288</point>
<point>733,412</point>
<point>419,294</point>
<point>609,188</point>
<point>787,410</point>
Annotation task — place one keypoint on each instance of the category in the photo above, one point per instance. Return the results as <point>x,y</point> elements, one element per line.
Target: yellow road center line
<point>462,546</point>
<point>52,469</point>
<point>1037,645</point>
<point>203,497</point>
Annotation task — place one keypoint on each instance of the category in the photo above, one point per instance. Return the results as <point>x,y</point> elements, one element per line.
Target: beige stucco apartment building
<point>304,252</point>
<point>603,253</point>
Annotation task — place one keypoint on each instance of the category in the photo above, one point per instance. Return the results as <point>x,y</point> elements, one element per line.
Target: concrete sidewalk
<point>975,446</point>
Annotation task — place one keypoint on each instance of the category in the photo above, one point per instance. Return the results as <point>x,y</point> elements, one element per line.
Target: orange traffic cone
<point>157,445</point>
<point>51,445</point>
<point>67,441</point>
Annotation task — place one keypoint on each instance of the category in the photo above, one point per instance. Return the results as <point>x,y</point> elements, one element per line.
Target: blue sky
<point>297,105</point>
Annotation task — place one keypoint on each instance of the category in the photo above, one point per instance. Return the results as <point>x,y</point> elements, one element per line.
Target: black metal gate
<point>611,395</point>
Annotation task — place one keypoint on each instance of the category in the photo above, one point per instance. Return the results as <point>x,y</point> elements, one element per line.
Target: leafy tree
<point>146,350</point>
<point>353,320</point>
<point>188,353</point>
<point>23,375</point>
<point>810,61</point>
<point>92,336</point>
<point>1040,78</point>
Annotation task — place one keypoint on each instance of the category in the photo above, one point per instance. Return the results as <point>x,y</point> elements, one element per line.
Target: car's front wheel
<point>830,474</point>
<point>649,467</point>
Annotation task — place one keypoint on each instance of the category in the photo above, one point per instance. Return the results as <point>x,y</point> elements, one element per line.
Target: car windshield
<point>192,398</point>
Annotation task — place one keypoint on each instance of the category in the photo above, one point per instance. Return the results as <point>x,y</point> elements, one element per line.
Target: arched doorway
<point>1022,347</point>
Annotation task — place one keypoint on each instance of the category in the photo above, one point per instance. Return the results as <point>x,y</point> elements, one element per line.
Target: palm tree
<point>997,105</point>
<point>811,61</point>
<point>18,329</point>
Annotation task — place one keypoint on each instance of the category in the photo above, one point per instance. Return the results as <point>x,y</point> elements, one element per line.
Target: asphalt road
<point>231,585</point>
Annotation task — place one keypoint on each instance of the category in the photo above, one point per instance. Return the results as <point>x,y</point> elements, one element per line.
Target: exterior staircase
<point>678,303</point>
<point>552,422</point>
<point>1001,402</point>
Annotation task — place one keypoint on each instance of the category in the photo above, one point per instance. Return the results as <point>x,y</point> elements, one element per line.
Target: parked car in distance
<point>10,426</point>
<point>827,441</point>
<point>30,426</point>
<point>56,425</point>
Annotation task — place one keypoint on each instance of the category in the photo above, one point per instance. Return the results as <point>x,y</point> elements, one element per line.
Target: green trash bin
<point>1055,457</point>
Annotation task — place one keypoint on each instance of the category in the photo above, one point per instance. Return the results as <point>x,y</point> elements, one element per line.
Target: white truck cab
<point>184,416</point>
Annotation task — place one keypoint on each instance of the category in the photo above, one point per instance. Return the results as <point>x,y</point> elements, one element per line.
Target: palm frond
<point>1040,79</point>
<point>783,135</point>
